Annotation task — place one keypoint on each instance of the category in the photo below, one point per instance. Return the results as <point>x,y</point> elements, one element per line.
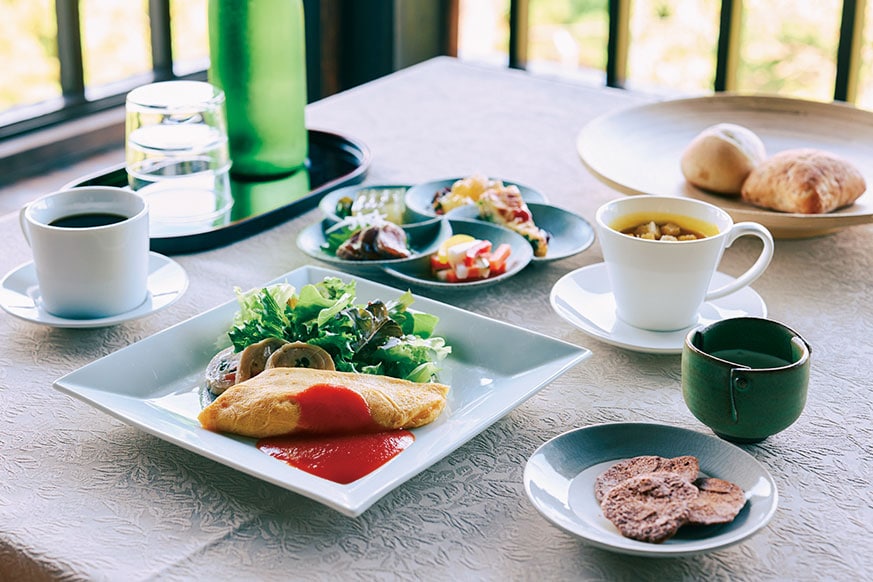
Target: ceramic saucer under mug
<point>19,295</point>
<point>584,298</point>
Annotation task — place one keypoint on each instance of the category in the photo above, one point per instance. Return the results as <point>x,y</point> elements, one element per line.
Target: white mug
<point>661,285</point>
<point>90,250</point>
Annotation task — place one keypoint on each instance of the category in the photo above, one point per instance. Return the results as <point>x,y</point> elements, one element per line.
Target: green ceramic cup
<point>746,378</point>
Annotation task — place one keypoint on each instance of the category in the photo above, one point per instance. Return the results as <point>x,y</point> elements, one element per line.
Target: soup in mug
<point>664,226</point>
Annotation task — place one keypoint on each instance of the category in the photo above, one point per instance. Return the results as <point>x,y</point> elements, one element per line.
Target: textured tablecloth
<point>83,496</point>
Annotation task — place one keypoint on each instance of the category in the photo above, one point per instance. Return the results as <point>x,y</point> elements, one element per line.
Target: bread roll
<point>721,157</point>
<point>805,181</point>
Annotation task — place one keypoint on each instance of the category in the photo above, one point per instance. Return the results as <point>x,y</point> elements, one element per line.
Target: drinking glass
<point>177,155</point>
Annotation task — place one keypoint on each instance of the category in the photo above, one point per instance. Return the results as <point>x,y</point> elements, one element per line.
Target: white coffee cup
<point>661,285</point>
<point>92,271</point>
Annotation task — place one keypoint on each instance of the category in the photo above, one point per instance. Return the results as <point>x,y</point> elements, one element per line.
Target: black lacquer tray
<point>334,161</point>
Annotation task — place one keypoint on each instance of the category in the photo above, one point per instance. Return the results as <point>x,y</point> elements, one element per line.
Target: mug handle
<point>22,221</point>
<point>756,270</point>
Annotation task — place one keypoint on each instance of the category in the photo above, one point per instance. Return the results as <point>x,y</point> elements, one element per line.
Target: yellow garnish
<point>455,239</point>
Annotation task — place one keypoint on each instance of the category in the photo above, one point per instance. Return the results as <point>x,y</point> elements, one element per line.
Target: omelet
<point>282,401</point>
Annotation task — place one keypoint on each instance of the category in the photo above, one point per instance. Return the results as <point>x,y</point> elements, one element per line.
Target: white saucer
<point>19,295</point>
<point>584,298</point>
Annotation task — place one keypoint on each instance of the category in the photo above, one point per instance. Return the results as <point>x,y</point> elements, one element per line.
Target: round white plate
<point>584,298</point>
<point>570,233</point>
<point>559,480</point>
<point>637,150</point>
<point>19,295</point>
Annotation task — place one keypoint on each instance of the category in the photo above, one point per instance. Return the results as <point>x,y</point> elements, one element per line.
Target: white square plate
<point>154,385</point>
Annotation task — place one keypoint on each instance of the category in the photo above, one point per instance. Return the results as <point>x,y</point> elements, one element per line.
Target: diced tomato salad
<point>464,258</point>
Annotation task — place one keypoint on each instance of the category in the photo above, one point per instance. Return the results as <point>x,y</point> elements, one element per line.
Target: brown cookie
<point>650,507</point>
<point>686,467</point>
<point>719,501</point>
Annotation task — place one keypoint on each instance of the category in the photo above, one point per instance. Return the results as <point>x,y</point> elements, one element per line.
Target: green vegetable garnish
<point>377,338</point>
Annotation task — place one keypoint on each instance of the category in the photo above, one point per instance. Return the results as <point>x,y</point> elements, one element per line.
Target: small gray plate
<point>418,272</point>
<point>570,233</point>
<point>424,240</point>
<point>559,480</point>
<point>419,198</point>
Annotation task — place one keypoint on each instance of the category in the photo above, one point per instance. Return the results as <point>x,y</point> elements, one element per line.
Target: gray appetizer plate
<point>559,480</point>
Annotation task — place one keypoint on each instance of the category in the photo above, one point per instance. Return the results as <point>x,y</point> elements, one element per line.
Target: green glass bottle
<point>258,57</point>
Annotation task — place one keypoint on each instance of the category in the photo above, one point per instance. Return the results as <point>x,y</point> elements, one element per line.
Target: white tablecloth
<point>83,496</point>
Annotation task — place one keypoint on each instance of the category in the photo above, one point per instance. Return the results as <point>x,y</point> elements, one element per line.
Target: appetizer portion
<point>367,237</point>
<point>465,258</point>
<point>389,202</point>
<point>505,206</point>
<point>462,192</point>
<point>375,242</point>
<point>285,401</point>
<point>649,498</point>
<point>498,203</point>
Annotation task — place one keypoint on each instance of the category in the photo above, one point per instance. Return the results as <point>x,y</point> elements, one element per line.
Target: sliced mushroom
<point>253,359</point>
<point>221,371</point>
<point>301,355</point>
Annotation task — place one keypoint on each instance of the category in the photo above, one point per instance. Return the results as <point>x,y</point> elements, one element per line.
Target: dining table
<point>85,496</point>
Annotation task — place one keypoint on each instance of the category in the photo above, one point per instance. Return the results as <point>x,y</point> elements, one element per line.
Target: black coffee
<point>87,220</point>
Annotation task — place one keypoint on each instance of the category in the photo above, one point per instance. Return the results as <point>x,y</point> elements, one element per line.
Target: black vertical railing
<point>617,42</point>
<point>727,50</point>
<point>848,57</point>
<point>70,50</point>
<point>74,102</point>
<point>519,26</point>
<point>161,39</point>
<point>849,51</point>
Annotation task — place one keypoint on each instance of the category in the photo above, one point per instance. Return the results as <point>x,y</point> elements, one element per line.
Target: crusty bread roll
<point>806,181</point>
<point>721,157</point>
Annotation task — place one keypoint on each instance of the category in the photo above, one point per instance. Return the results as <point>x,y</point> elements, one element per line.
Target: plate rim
<point>790,225</point>
<point>638,347</point>
<point>669,550</point>
<point>157,262</point>
<point>352,499</point>
<point>585,243</point>
<point>528,193</point>
<point>319,254</point>
<point>519,266</point>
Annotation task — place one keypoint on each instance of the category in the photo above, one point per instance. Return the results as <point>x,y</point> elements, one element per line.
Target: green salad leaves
<point>377,338</point>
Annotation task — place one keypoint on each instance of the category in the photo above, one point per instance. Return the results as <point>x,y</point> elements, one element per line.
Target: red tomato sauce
<point>342,443</point>
<point>338,458</point>
<point>328,409</point>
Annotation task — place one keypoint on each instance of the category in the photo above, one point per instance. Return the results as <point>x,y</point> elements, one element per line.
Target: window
<point>72,57</point>
<point>63,59</point>
<point>819,50</point>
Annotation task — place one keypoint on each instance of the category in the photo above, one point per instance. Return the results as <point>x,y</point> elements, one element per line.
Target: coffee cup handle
<point>22,221</point>
<point>756,270</point>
